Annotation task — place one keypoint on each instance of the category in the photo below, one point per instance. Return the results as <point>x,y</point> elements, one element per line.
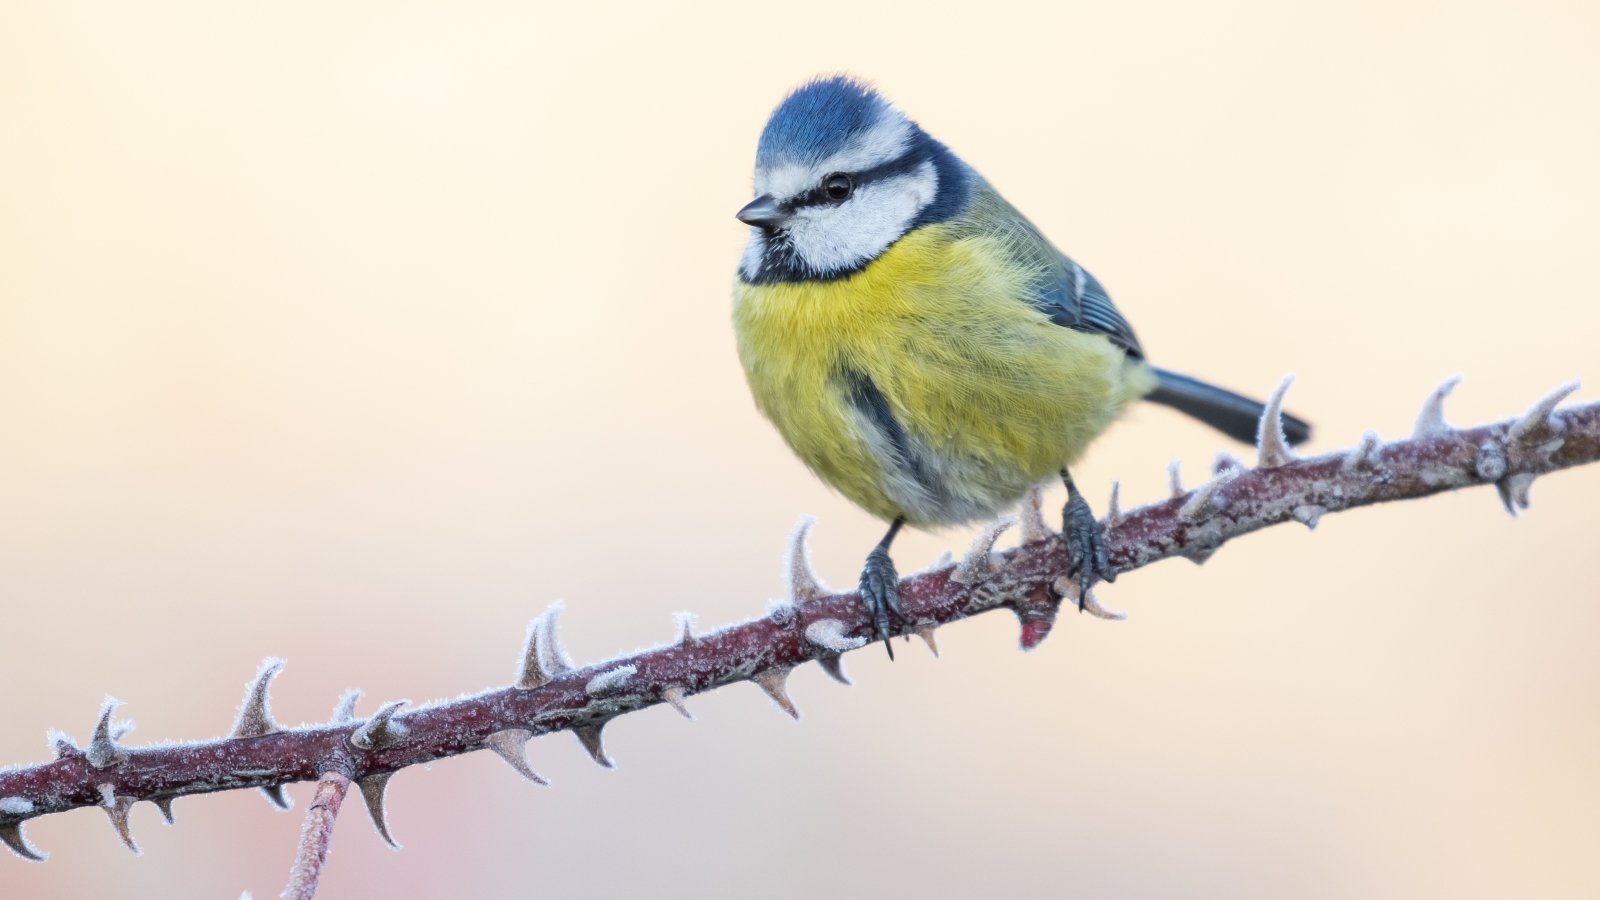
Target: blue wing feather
<point>1065,291</point>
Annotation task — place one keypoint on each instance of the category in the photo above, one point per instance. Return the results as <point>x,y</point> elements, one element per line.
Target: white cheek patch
<point>832,239</point>
<point>754,249</point>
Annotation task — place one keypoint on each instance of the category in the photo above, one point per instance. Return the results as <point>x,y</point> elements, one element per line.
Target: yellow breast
<point>992,397</point>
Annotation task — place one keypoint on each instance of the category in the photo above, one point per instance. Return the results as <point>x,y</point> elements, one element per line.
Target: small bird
<point>919,344</point>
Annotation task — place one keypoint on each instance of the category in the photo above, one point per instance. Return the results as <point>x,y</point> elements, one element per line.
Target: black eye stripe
<point>818,196</point>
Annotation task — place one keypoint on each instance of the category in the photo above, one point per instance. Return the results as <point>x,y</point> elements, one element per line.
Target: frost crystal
<point>829,635</point>
<point>609,680</point>
<point>15,806</point>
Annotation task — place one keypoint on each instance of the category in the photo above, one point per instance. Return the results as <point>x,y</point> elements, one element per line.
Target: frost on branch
<point>550,694</point>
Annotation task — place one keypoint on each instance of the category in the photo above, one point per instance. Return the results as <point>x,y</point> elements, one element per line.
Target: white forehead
<point>885,141</point>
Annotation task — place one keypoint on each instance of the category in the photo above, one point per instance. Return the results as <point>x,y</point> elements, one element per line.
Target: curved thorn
<point>1536,421</point>
<point>926,633</point>
<point>1513,490</point>
<point>834,666</point>
<point>275,794</point>
<point>372,792</point>
<point>103,751</point>
<point>609,680</point>
<point>975,565</point>
<point>590,737</point>
<point>1430,421</point>
<point>553,661</point>
<point>117,808</point>
<point>11,835</point>
<point>829,635</point>
<point>674,696</point>
<point>1308,515</point>
<point>511,745</point>
<point>382,730</point>
<point>61,745</point>
<point>1065,587</point>
<point>774,681</point>
<point>255,714</point>
<point>803,584</point>
<point>1032,515</point>
<point>1199,504</point>
<point>685,629</point>
<point>1272,448</point>
<point>345,710</point>
<point>1114,515</point>
<point>165,805</point>
<point>1364,458</point>
<point>1175,479</point>
<point>529,674</point>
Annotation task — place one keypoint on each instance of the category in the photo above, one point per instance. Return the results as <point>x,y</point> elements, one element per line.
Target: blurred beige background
<point>358,333</point>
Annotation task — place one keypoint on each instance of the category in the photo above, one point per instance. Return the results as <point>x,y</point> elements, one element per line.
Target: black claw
<point>1086,547</point>
<point>880,591</point>
<point>880,588</point>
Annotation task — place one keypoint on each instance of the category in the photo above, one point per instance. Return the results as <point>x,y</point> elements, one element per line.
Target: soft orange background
<point>358,333</point>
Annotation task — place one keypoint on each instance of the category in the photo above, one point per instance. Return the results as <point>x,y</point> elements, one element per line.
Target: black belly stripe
<point>870,402</point>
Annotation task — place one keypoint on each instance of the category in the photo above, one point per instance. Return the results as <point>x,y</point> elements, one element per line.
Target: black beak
<point>762,212</point>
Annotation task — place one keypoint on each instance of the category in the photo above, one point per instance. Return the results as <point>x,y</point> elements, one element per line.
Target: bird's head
<point>841,174</point>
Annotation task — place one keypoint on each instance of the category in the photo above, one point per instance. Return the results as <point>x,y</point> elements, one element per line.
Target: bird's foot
<point>880,593</point>
<point>1086,549</point>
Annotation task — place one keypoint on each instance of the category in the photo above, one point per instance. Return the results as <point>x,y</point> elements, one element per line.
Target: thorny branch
<point>815,625</point>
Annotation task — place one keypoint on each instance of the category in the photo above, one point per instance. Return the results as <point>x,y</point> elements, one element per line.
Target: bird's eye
<point>838,186</point>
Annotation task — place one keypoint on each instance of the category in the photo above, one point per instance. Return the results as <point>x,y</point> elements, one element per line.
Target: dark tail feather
<point>1235,416</point>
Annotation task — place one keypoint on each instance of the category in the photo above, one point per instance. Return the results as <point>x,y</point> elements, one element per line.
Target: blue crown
<point>818,120</point>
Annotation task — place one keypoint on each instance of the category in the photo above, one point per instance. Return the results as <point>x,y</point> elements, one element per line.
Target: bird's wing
<point>1065,291</point>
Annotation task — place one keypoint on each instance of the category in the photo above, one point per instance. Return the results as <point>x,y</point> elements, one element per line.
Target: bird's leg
<point>880,587</point>
<point>1086,549</point>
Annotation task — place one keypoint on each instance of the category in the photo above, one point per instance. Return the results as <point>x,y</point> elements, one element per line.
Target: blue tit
<point>919,344</point>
